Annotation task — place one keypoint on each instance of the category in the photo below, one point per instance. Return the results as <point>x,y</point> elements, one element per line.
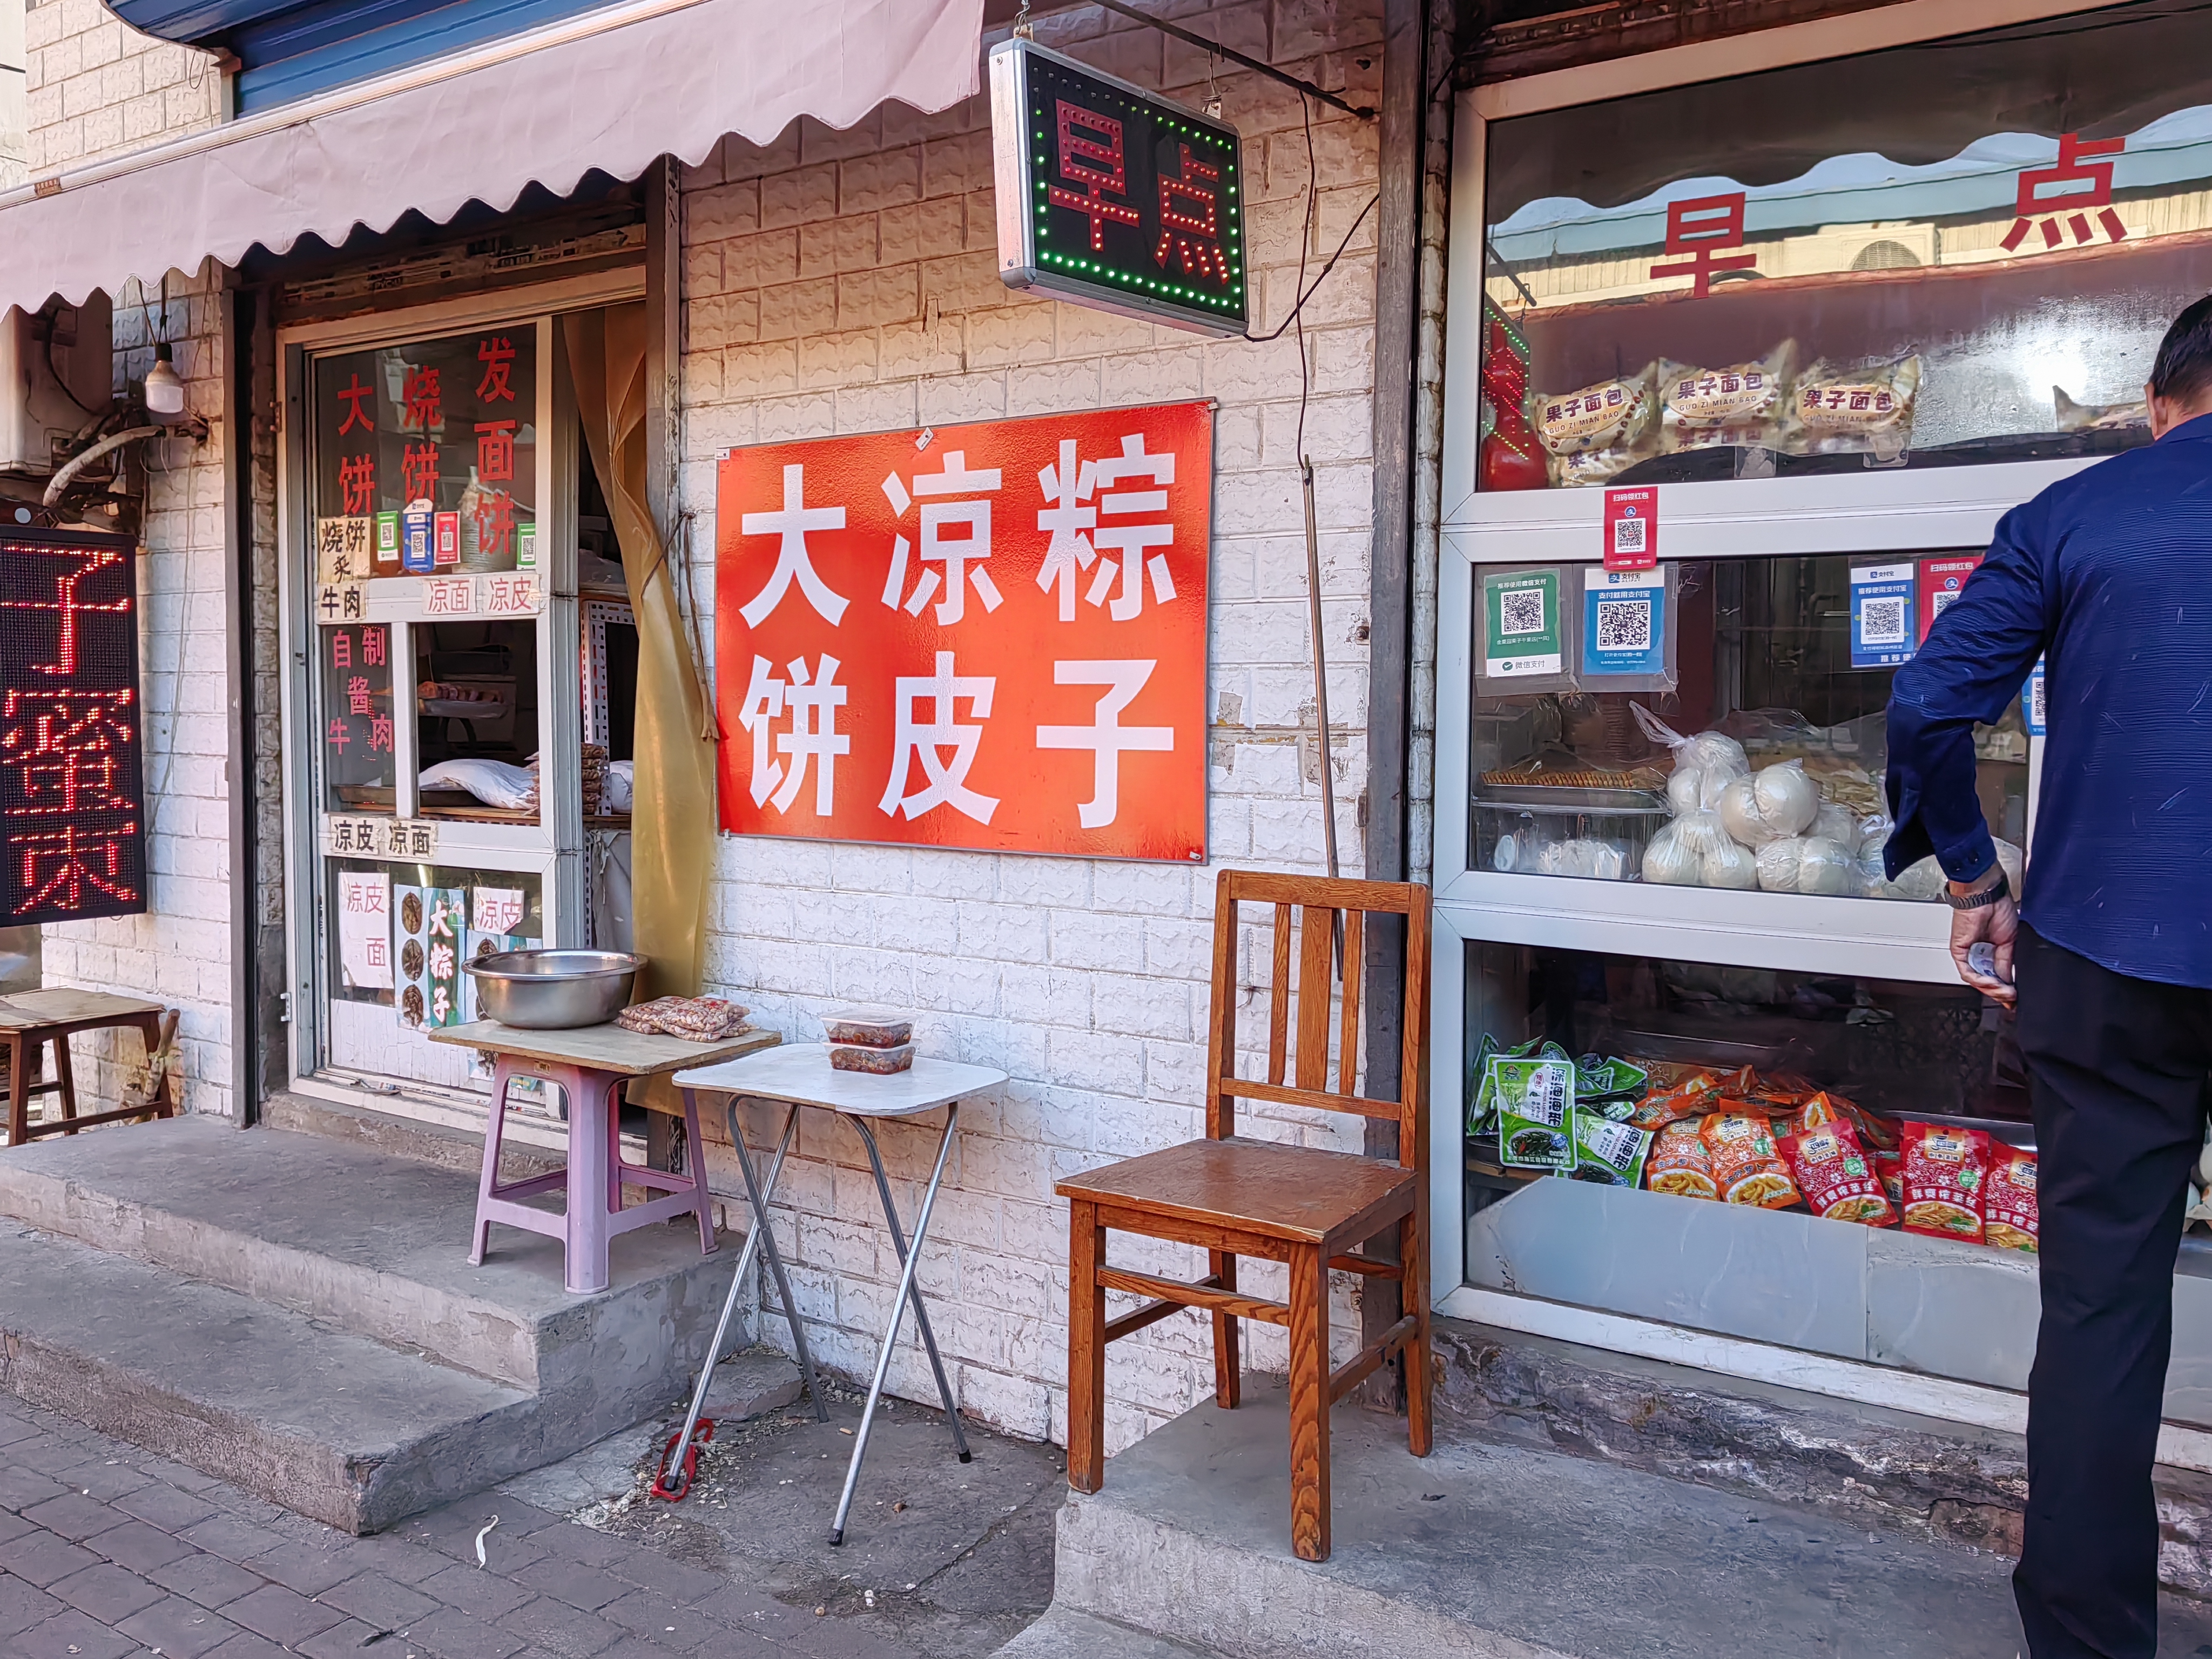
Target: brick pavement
<point>109,1553</point>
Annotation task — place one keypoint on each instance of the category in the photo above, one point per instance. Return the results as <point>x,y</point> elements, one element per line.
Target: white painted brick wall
<point>178,953</point>
<point>94,88</point>
<point>844,282</point>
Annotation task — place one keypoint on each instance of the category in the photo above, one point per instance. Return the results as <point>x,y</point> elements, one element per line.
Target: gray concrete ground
<point>109,1553</point>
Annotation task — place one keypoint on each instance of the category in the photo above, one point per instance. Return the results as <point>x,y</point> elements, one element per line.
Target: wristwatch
<point>1997,890</point>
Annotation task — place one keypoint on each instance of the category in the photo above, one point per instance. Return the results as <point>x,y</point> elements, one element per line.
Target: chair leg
<point>65,1075</point>
<point>494,1128</point>
<point>19,1091</point>
<point>1086,1349</point>
<point>1419,1360</point>
<point>1228,1358</point>
<point>1309,1303</point>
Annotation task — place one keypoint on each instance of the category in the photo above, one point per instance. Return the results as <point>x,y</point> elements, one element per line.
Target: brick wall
<point>842,281</point>
<point>95,89</point>
<point>179,953</point>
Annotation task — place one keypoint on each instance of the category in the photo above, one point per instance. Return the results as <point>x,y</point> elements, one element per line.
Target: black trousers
<point>2117,1077</point>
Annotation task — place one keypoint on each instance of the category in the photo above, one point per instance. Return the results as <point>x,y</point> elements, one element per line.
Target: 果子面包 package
<point>1835,1173</point>
<point>1747,1167</point>
<point>1678,1163</point>
<point>2008,1209</point>
<point>1535,1102</point>
<point>1842,410</point>
<point>1745,404</point>
<point>1598,431</point>
<point>1944,1174</point>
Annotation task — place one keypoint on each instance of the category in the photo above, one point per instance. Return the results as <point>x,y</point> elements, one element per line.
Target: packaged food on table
<point>1844,410</point>
<point>1536,1112</point>
<point>1610,1154</point>
<point>1774,802</point>
<point>1745,404</point>
<point>1679,1161</point>
<point>2098,417</point>
<point>2008,1210</point>
<point>694,1019</point>
<point>1836,1175</point>
<point>1599,431</point>
<point>867,1030</point>
<point>1590,856</point>
<point>872,1057</point>
<point>1889,1170</point>
<point>1945,1171</point>
<point>1806,864</point>
<point>1747,1167</point>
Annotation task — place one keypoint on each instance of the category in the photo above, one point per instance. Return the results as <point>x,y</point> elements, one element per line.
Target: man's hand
<point>1998,923</point>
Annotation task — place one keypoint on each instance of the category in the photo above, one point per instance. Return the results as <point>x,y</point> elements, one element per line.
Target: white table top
<point>802,1072</point>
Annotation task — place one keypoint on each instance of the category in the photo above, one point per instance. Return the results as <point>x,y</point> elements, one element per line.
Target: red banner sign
<point>986,636</point>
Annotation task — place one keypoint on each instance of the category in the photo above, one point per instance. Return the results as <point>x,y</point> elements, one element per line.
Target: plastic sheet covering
<point>611,90</point>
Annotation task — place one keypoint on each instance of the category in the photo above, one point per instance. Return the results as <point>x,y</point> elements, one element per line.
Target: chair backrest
<point>1329,979</point>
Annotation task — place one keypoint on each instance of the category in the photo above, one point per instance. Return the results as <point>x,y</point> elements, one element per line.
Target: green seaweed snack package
<point>1482,1112</point>
<point>1536,1112</point>
<point>1611,1154</point>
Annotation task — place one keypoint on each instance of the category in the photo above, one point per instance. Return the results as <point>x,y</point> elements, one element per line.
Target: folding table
<point>801,1075</point>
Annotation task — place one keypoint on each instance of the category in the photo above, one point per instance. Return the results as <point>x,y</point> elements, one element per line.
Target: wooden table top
<point>64,1005</point>
<point>603,1048</point>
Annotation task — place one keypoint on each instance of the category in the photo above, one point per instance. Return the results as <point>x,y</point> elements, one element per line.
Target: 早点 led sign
<point>1110,196</point>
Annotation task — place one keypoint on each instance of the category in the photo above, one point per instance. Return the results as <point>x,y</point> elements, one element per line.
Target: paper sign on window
<point>365,929</point>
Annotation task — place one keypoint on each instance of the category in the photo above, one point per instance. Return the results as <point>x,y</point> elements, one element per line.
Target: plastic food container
<point>1597,834</point>
<point>867,1031</point>
<point>854,1057</point>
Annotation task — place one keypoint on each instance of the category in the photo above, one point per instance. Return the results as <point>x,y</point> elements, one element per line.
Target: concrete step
<point>1062,1634</point>
<point>374,1244</point>
<point>1508,1552</point>
<point>1922,1477</point>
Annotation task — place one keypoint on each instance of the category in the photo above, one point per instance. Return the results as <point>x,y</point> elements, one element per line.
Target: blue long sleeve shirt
<point>2107,575</point>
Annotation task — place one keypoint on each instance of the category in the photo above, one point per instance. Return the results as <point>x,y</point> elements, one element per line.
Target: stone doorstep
<point>1921,1476</point>
<point>418,1142</point>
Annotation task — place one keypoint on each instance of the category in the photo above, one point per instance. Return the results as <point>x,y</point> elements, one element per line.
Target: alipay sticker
<point>1624,622</point>
<point>1882,615</point>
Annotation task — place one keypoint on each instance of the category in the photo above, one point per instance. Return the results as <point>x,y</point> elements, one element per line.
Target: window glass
<point>1955,252</point>
<point>356,732</point>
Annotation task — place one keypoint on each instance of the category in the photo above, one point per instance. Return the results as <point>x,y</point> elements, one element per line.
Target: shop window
<point>1960,251</point>
<point>1749,751</point>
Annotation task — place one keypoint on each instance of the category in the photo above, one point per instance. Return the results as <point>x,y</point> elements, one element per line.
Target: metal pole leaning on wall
<point>1321,672</point>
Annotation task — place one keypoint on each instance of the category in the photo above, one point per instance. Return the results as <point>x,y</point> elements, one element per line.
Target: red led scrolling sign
<point>72,818</point>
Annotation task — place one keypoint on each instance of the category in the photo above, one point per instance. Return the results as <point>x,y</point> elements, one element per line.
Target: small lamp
<point>164,389</point>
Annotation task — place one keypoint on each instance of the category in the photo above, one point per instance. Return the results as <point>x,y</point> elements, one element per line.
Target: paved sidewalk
<point>109,1553</point>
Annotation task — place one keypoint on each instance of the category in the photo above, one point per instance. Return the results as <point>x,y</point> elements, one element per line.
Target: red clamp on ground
<point>685,1471</point>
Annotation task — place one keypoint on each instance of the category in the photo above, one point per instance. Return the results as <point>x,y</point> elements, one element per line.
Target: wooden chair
<point>1308,1208</point>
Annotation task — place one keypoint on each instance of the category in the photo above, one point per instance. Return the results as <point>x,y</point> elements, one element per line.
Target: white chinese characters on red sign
<point>994,637</point>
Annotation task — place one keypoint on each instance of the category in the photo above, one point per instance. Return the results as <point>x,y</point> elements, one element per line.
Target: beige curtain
<point>672,819</point>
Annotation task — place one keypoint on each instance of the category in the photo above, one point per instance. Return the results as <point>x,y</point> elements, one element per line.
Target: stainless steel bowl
<point>554,990</point>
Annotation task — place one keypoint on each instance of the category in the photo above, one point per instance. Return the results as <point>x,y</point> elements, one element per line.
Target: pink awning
<point>610,89</point>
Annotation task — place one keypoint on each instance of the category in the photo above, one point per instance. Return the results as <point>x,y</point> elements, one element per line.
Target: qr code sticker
<point>2035,701</point>
<point>1939,601</point>
<point>1881,621</point>
<point>1520,610</point>
<point>1628,535</point>
<point>1624,625</point>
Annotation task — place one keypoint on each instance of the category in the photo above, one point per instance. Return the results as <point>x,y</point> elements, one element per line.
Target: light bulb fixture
<point>164,389</point>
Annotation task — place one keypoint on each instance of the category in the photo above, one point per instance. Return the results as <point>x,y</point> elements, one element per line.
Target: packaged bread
<point>1841,409</point>
<point>1746,1166</point>
<point>1745,404</point>
<point>1945,1170</point>
<point>1836,1175</point>
<point>1679,1162</point>
<point>2008,1210</point>
<point>1599,431</point>
<point>2098,417</point>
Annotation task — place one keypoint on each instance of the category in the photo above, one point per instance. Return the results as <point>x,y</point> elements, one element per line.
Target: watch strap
<point>2000,888</point>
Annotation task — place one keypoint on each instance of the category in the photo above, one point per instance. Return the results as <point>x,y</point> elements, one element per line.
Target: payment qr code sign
<point>1624,622</point>
<point>1632,529</point>
<point>2033,705</point>
<point>1522,635</point>
<point>1883,615</point>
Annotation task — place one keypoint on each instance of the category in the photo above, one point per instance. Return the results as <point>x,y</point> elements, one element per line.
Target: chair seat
<point>1296,1193</point>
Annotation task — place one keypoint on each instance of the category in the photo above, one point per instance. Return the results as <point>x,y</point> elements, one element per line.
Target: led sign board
<point>1113,197</point>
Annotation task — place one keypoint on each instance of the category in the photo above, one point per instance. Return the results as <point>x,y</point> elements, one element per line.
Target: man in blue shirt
<point>2107,576</point>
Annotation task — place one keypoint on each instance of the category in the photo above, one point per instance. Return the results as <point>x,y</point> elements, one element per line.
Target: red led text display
<point>72,821</point>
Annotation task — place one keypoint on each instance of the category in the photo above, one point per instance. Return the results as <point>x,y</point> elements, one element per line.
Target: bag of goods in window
<point>1747,1167</point>
<point>1743,404</point>
<point>2008,1211</point>
<point>1599,431</point>
<point>1610,1154</point>
<point>1703,765</point>
<point>1691,1098</point>
<point>2097,417</point>
<point>1836,1175</point>
<point>1840,408</point>
<point>1945,1171</point>
<point>1774,802</point>
<point>1608,1088</point>
<point>1680,1164</point>
<point>1889,1170</point>
<point>1535,1112</point>
<point>1807,864</point>
<point>1822,1108</point>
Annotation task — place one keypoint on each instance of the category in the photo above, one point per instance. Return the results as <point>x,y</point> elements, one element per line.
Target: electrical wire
<point>1306,241</point>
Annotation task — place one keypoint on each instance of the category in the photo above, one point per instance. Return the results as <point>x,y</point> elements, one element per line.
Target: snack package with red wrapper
<point>1946,1170</point>
<point>1837,1178</point>
<point>1679,1162</point>
<point>1746,1165</point>
<point>2008,1209</point>
<point>1889,1170</point>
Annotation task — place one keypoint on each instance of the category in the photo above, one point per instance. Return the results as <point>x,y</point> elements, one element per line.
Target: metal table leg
<point>737,1288</point>
<point>890,1331</point>
<point>920,1311</point>
<point>767,1235</point>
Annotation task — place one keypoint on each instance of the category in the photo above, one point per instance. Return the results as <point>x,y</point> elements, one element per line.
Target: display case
<point>1748,352</point>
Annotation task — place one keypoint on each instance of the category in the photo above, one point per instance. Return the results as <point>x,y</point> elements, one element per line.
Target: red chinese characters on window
<point>418,473</point>
<point>425,407</point>
<point>1696,230</point>
<point>495,450</point>
<point>2069,207</point>
<point>1090,158</point>
<point>1190,221</point>
<point>494,524</point>
<point>360,406</point>
<point>497,355</point>
<point>357,483</point>
<point>71,842</point>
